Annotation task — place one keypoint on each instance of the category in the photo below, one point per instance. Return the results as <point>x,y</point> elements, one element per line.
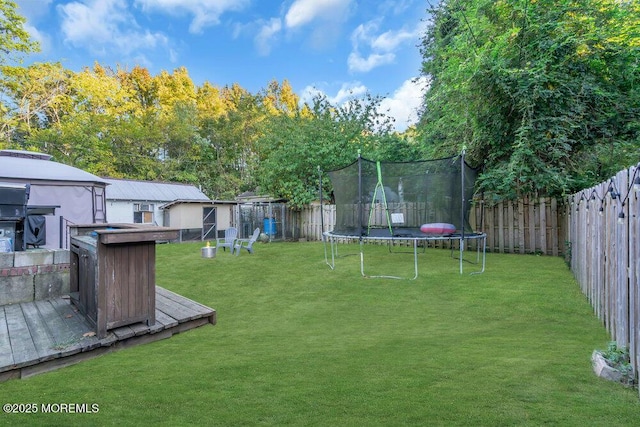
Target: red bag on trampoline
<point>438,228</point>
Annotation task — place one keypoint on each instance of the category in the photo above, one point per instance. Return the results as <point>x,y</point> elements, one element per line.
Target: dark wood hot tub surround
<point>112,273</point>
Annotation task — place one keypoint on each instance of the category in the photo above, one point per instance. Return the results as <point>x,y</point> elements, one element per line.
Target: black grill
<point>13,212</point>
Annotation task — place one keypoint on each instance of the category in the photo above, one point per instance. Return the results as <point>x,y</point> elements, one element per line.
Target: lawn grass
<point>299,344</point>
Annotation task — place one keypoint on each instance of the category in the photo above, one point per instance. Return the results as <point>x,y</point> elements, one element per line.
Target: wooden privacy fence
<point>604,226</point>
<point>525,226</point>
<point>522,226</point>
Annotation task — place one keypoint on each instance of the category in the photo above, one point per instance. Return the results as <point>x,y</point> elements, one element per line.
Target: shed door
<point>209,229</point>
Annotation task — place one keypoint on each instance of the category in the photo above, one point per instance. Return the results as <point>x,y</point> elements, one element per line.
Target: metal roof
<point>30,166</point>
<point>150,191</point>
<point>251,197</point>
<point>203,202</point>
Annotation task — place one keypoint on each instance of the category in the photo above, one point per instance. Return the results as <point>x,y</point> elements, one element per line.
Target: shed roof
<point>151,191</point>
<point>251,197</point>
<point>31,166</point>
<point>202,202</point>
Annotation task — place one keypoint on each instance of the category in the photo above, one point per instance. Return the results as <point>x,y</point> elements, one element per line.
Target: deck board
<point>6,356</point>
<point>64,339</point>
<point>76,323</point>
<point>19,336</point>
<point>192,305</point>
<point>43,335</point>
<point>176,311</point>
<point>22,344</point>
<point>123,333</point>
<point>41,338</point>
<point>165,320</point>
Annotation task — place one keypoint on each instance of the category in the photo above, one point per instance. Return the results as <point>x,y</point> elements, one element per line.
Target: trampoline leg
<point>415,259</point>
<point>415,263</point>
<point>331,265</point>
<point>484,255</point>
<point>362,259</point>
<point>461,247</point>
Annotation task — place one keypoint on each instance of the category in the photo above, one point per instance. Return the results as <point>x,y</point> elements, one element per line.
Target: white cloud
<point>358,63</point>
<point>390,40</point>
<point>105,25</point>
<point>308,93</point>
<point>346,92</point>
<point>322,18</point>
<point>265,36</point>
<point>205,12</point>
<point>405,103</point>
<point>303,12</point>
<point>380,47</point>
<point>363,33</point>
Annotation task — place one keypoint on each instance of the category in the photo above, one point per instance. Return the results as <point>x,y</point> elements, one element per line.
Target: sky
<point>340,48</point>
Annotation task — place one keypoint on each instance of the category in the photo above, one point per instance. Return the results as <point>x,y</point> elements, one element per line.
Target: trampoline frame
<point>461,238</point>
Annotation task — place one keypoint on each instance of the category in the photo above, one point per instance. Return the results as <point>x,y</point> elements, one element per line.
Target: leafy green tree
<point>280,99</point>
<point>37,97</point>
<point>14,39</point>
<point>229,127</point>
<point>321,135</point>
<point>87,119</point>
<point>96,107</point>
<point>543,94</point>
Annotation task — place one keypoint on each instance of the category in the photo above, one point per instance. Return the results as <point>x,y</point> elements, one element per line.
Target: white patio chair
<point>229,239</point>
<point>247,243</point>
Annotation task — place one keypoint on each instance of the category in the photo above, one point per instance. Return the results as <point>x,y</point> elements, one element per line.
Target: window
<point>143,213</point>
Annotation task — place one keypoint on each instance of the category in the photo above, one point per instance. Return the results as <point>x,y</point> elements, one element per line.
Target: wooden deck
<point>41,336</point>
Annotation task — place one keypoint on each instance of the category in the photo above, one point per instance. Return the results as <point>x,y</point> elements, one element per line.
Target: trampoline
<point>404,204</point>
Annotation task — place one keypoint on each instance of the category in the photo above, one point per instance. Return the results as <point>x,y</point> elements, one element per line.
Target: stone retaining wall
<point>33,275</point>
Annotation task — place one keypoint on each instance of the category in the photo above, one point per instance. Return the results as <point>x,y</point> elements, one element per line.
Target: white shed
<point>168,204</point>
<point>199,220</point>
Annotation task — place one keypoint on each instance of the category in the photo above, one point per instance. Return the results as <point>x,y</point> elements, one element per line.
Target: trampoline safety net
<point>394,199</point>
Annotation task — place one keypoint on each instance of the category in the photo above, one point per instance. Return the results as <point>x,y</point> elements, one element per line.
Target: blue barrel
<point>270,226</point>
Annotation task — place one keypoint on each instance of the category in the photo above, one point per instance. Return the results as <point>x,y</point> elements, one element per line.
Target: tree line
<point>131,124</point>
<point>542,94</point>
